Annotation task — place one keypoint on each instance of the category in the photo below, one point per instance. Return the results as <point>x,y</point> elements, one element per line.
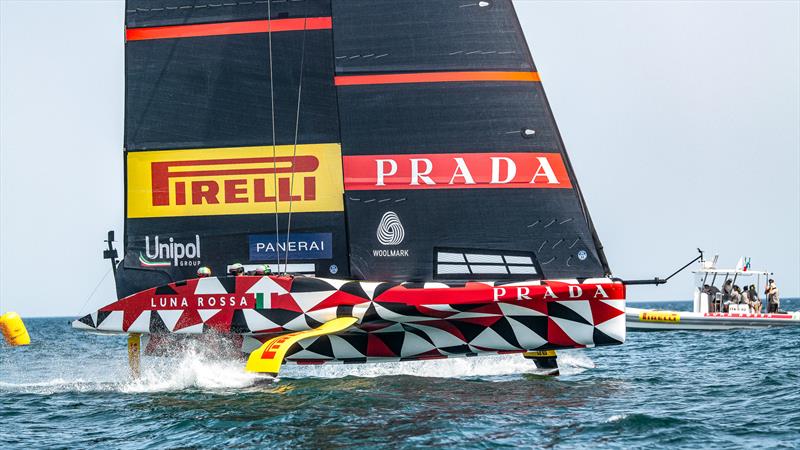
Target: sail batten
<point>435,77</point>
<point>153,13</point>
<point>225,28</point>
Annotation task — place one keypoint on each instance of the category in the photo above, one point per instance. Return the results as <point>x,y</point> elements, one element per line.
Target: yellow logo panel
<point>659,316</point>
<point>238,180</point>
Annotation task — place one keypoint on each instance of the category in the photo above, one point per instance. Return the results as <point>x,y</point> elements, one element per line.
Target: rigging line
<point>296,133</point>
<point>94,291</point>
<point>274,155</point>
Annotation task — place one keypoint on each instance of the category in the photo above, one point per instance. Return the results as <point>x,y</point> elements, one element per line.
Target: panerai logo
<point>390,232</point>
<point>161,252</point>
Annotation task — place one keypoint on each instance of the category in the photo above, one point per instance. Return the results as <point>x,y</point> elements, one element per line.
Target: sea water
<point>723,389</point>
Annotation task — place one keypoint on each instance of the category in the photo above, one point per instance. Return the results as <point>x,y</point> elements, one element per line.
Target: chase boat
<point>710,309</point>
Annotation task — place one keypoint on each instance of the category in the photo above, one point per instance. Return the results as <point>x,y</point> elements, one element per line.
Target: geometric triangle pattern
<point>397,322</point>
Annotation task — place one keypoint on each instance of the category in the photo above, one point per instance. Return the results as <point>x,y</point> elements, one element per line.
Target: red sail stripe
<point>435,77</point>
<point>219,29</point>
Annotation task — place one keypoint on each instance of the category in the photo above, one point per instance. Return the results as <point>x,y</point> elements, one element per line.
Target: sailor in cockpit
<point>236,270</point>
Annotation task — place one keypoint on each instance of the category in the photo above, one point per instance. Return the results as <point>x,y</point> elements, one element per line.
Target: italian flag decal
<point>260,301</point>
<point>144,262</point>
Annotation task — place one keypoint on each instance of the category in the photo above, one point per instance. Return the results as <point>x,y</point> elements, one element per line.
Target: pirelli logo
<point>659,316</point>
<point>241,180</point>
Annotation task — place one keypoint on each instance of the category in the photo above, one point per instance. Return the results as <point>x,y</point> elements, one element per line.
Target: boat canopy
<point>732,271</point>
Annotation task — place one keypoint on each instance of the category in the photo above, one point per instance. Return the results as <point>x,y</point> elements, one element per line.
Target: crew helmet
<point>236,268</point>
<point>203,272</point>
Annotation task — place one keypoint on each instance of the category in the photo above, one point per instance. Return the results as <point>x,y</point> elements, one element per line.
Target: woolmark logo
<point>390,229</point>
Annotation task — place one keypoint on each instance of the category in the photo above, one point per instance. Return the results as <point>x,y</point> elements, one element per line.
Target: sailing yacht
<point>396,165</point>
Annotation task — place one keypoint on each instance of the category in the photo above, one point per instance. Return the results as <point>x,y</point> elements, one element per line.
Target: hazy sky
<point>682,120</point>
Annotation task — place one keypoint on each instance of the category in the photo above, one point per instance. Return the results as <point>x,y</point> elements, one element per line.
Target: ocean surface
<point>723,389</point>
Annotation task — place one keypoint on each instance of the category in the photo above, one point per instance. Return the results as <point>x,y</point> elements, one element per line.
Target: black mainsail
<point>423,148</point>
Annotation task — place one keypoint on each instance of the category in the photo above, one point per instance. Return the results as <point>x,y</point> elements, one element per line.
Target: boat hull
<point>656,320</point>
<point>396,321</point>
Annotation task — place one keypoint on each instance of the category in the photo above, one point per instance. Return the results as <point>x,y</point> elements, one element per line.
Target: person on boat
<point>203,272</point>
<point>745,297</point>
<point>236,270</point>
<point>727,289</point>
<point>710,296</point>
<point>755,302</point>
<point>713,292</point>
<point>736,295</point>
<point>773,300</point>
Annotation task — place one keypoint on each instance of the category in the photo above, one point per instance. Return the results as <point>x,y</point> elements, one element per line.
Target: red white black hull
<point>653,320</point>
<point>407,321</point>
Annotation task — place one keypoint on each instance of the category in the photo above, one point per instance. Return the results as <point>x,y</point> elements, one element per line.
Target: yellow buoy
<point>14,329</point>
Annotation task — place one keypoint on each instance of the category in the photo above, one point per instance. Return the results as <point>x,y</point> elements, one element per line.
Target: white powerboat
<point>711,308</point>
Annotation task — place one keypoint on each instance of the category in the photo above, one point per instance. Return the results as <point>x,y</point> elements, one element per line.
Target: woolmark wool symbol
<point>390,230</point>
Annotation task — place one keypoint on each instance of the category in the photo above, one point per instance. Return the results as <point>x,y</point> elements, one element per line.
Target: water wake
<point>194,368</point>
<point>191,370</point>
<point>571,363</point>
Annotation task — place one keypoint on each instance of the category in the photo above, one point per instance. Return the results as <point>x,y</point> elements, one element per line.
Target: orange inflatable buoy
<point>14,329</point>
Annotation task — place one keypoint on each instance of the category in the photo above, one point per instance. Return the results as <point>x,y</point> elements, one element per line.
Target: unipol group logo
<point>165,252</point>
<point>390,229</point>
<point>456,171</point>
<point>247,180</point>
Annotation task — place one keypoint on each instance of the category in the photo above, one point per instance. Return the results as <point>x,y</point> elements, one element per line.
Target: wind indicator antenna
<point>111,253</point>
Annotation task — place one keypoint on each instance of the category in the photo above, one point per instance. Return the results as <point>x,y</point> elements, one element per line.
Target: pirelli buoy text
<point>14,330</point>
